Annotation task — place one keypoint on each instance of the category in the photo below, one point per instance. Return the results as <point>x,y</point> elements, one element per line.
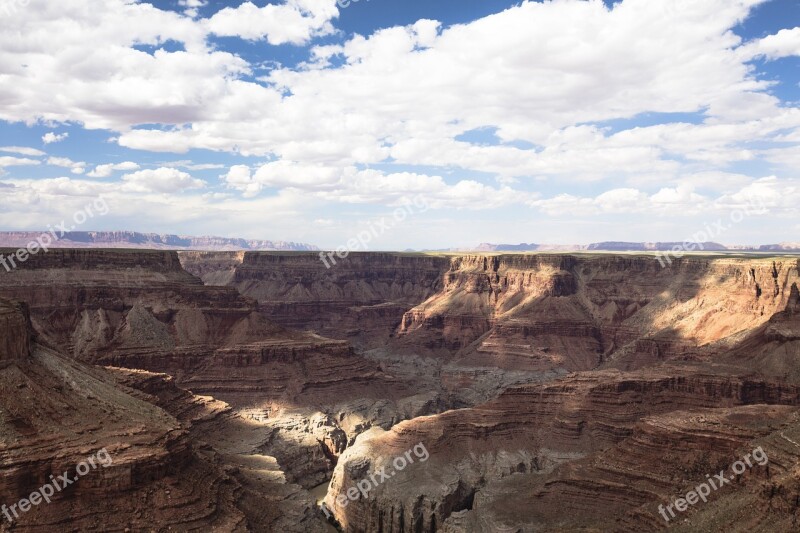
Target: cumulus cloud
<point>8,161</point>
<point>239,177</point>
<point>785,43</point>
<point>161,180</point>
<point>104,171</point>
<point>353,185</point>
<point>192,6</point>
<point>552,99</point>
<point>22,150</point>
<point>51,137</point>
<point>76,167</point>
<point>295,22</point>
<point>768,195</point>
<point>190,165</point>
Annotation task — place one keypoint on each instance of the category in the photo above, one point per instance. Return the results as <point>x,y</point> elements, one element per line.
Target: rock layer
<point>15,332</point>
<point>56,413</point>
<point>362,297</point>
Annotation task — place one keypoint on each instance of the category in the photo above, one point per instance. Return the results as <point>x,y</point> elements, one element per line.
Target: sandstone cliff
<point>522,312</point>
<point>56,413</point>
<point>628,439</point>
<point>579,312</point>
<point>680,369</point>
<point>15,332</point>
<point>361,298</point>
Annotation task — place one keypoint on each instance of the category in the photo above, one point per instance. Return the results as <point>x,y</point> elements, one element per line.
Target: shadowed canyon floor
<point>551,392</point>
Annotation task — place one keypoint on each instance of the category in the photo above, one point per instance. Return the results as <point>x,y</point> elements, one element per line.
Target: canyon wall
<point>361,298</point>
<point>468,355</point>
<point>579,312</point>
<point>308,395</point>
<point>517,311</point>
<point>15,332</point>
<point>121,463</point>
<point>546,454</point>
<point>132,308</point>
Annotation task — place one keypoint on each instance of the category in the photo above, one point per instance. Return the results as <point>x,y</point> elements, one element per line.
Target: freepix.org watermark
<point>711,231</point>
<point>364,486</point>
<point>45,240</point>
<point>346,3</point>
<point>56,485</point>
<point>374,229</point>
<point>703,490</point>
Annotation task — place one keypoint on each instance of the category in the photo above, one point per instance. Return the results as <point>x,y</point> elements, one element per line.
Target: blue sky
<point>306,120</point>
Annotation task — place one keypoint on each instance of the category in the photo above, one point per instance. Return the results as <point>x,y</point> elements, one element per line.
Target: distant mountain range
<point>132,239</point>
<point>618,246</point>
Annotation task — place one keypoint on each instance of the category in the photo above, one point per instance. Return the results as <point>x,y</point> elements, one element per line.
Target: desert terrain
<point>260,391</point>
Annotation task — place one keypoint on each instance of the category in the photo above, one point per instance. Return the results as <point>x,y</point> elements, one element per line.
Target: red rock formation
<point>524,312</point>
<point>15,332</point>
<point>362,297</point>
<point>578,312</point>
<point>681,367</point>
<point>56,413</point>
<point>532,430</point>
<point>774,348</point>
<point>141,310</point>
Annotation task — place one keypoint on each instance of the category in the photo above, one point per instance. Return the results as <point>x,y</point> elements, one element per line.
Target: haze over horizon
<point>306,121</point>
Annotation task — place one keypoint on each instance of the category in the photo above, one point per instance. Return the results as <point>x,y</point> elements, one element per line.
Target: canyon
<point>551,391</point>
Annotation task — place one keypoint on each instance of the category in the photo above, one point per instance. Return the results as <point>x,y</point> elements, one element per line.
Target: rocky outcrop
<point>361,298</point>
<point>774,348</point>
<point>133,308</point>
<point>666,456</point>
<point>131,465</point>
<point>580,312</point>
<point>467,355</point>
<point>531,430</point>
<point>15,332</point>
<point>214,268</point>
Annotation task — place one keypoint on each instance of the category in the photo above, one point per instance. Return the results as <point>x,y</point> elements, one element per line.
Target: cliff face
<point>56,414</point>
<point>560,447</point>
<point>518,312</point>
<point>105,306</point>
<point>681,370</point>
<point>362,297</point>
<point>580,312</point>
<point>15,332</point>
<point>141,310</point>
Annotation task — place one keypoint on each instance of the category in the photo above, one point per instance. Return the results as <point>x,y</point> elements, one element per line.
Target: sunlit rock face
<point>539,385</point>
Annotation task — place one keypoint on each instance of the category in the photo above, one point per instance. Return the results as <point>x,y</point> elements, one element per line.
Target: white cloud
<point>240,178</point>
<point>543,75</point>
<point>76,167</point>
<point>161,180</point>
<point>295,22</point>
<point>192,6</point>
<point>51,137</point>
<point>8,161</point>
<point>189,165</point>
<point>785,43</point>
<point>778,197</point>
<point>351,185</point>
<point>104,171</point>
<point>23,150</point>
